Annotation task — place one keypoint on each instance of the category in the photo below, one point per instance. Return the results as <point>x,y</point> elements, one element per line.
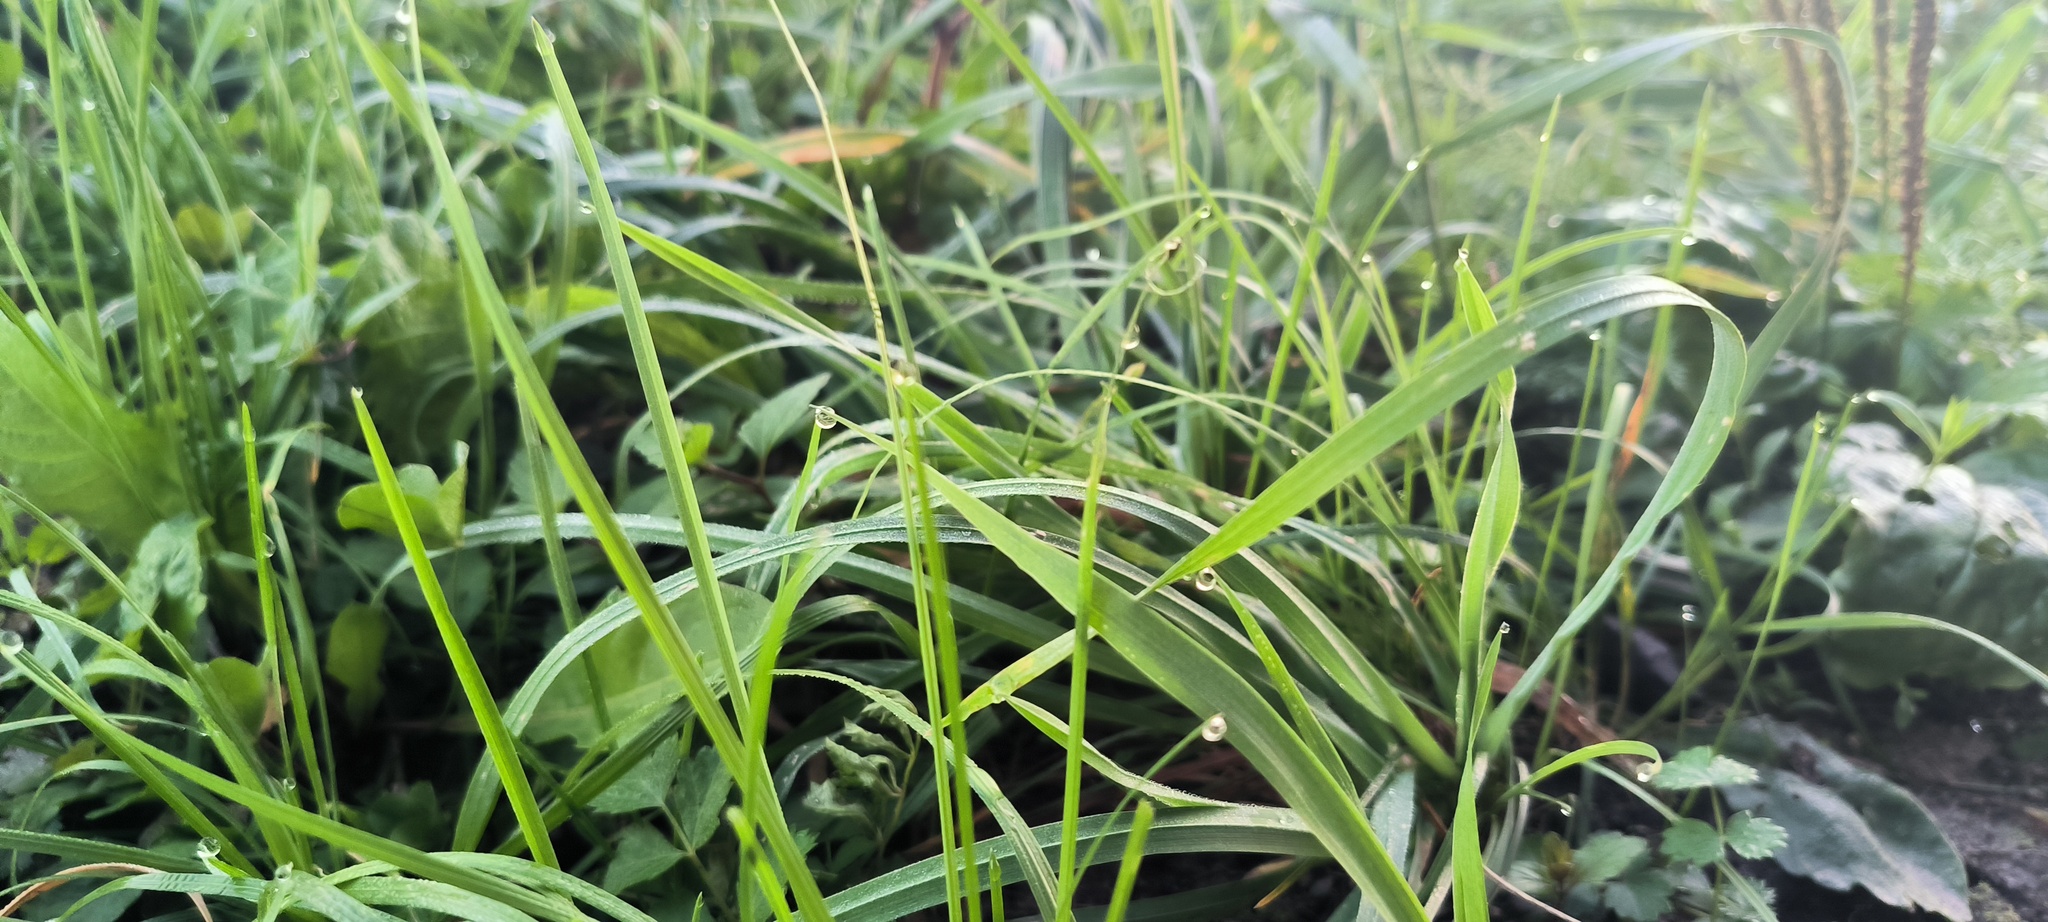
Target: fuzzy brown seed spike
<point>1834,105</point>
<point>1913,150</point>
<point>1881,74</point>
<point>1802,97</point>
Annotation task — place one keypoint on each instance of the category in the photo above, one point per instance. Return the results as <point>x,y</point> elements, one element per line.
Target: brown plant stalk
<point>1834,106</point>
<point>1802,97</point>
<point>1913,150</point>
<point>1881,74</point>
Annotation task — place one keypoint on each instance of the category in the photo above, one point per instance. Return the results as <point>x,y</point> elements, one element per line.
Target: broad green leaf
<point>436,505</point>
<point>781,414</point>
<point>243,687</point>
<point>1844,825</point>
<point>70,450</point>
<point>355,656</point>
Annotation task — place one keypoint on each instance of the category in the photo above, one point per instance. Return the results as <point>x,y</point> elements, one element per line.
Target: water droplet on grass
<point>88,105</point>
<point>1414,165</point>
<point>824,417</point>
<point>1214,728</point>
<point>10,643</point>
<point>1688,240</point>
<point>1556,220</point>
<point>1427,284</point>
<point>1688,614</point>
<point>208,847</point>
<point>1206,580</point>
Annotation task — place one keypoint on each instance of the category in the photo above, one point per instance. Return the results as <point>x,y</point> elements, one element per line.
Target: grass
<point>893,451</point>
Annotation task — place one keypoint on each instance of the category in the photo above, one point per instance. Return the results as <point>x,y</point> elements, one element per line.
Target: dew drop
<point>1094,255</point>
<point>1204,213</point>
<point>1688,614</point>
<point>825,417</point>
<point>1564,810</point>
<point>88,105</point>
<point>1772,295</point>
<point>1688,240</point>
<point>2020,275</point>
<point>1593,337</point>
<point>1976,726</point>
<point>1644,774</point>
<point>398,35</point>
<point>1464,254</point>
<point>1365,259</point>
<point>289,784</point>
<point>1506,628</point>
<point>10,643</point>
<point>1414,165</point>
<point>283,871</point>
<point>1589,55</point>
<point>1556,220</point>
<point>586,208</point>
<point>1527,343</point>
<point>703,25</point>
<point>1543,138</point>
<point>208,847</point>
<point>1214,728</point>
<point>443,115</point>
<point>1427,284</point>
<point>403,16</point>
<point>653,104</point>
<point>1206,580</point>
<point>1131,343</point>
<point>1649,200</point>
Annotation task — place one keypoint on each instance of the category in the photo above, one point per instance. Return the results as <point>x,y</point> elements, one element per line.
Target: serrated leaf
<point>701,794</point>
<point>1644,896</point>
<point>1608,855</point>
<point>1700,767</point>
<point>780,414</point>
<point>639,855</point>
<point>1692,841</point>
<point>1753,836</point>
<point>644,787</point>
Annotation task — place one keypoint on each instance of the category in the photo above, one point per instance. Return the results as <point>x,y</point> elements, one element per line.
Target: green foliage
<point>67,447</point>
<point>1295,390</point>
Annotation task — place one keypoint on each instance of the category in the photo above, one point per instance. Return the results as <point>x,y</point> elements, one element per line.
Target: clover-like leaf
<point>1692,841</point>
<point>1700,767</point>
<point>1753,836</point>
<point>1608,855</point>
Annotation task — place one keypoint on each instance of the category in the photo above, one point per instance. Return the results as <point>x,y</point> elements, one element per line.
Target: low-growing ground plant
<point>1176,460</point>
